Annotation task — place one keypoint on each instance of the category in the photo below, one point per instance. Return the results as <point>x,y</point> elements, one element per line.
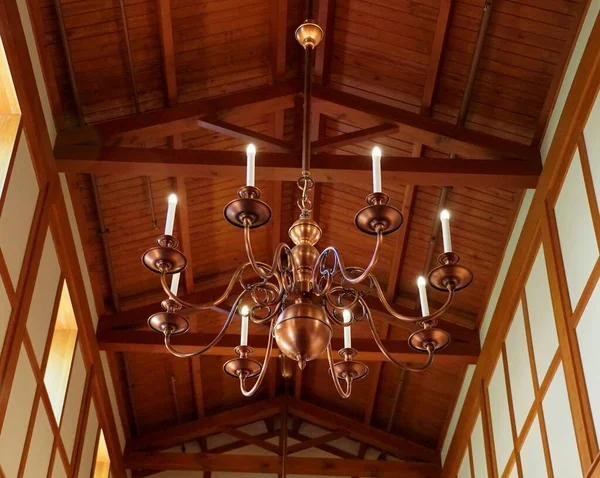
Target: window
<point>10,118</point>
<point>102,462</point>
<point>62,349</point>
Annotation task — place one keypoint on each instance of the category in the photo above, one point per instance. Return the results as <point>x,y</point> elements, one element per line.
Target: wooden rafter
<point>250,439</point>
<point>182,118</point>
<point>245,134</point>
<point>350,169</point>
<point>145,341</point>
<point>332,450</point>
<point>316,442</point>
<point>189,431</point>
<point>272,464</point>
<point>342,140</point>
<point>165,28</point>
<point>324,52</point>
<point>420,128</point>
<point>278,13</point>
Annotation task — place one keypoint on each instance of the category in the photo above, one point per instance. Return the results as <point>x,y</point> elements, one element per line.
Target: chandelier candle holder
<point>304,292</point>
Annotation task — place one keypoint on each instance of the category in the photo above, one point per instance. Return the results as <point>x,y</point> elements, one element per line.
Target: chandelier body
<point>305,292</point>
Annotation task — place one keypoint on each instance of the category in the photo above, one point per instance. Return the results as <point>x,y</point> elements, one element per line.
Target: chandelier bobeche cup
<point>303,293</point>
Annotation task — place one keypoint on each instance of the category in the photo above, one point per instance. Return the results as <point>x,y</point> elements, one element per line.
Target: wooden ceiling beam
<point>435,60</point>
<point>422,129</point>
<point>350,169</point>
<point>332,450</point>
<point>245,134</point>
<point>185,432</point>
<point>316,442</point>
<point>393,444</point>
<point>147,341</point>
<point>250,439</point>
<point>165,28</point>
<point>272,464</point>
<point>181,118</point>
<point>342,140</point>
<point>278,13</point>
<point>324,52</point>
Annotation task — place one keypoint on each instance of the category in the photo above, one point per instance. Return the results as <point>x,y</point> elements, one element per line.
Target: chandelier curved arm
<point>405,318</point>
<point>263,271</point>
<point>214,342</point>
<point>402,365</point>
<point>343,393</point>
<point>263,372</point>
<point>338,265</point>
<point>206,305</point>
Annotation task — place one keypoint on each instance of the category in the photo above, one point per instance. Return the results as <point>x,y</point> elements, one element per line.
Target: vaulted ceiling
<point>160,96</point>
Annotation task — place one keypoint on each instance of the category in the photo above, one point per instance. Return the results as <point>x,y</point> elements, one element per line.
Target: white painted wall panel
<point>68,425</point>
<point>40,448</point>
<point>44,297</point>
<point>500,416</point>
<point>592,142</point>
<point>541,315</point>
<point>18,210</point>
<point>89,443</point>
<point>559,427</point>
<point>5,311</point>
<point>465,467</point>
<point>532,453</point>
<point>519,370</point>
<point>576,231</point>
<point>18,413</point>
<point>58,469</point>
<point>588,330</point>
<point>478,449</point>
<point>457,409</point>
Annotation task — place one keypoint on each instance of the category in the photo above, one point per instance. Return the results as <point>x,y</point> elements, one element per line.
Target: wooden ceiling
<point>160,96</point>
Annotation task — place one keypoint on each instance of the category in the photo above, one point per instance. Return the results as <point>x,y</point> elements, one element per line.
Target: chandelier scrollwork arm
<point>215,341</point>
<point>430,348</point>
<point>263,271</point>
<point>438,313</point>
<point>263,372</point>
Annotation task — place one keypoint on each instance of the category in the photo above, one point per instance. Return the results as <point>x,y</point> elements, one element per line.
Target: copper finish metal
<point>450,274</point>
<point>349,368</point>
<point>302,332</point>
<point>305,231</point>
<point>378,215</point>
<point>164,322</point>
<point>165,258</point>
<point>309,34</point>
<point>433,337</point>
<point>243,366</point>
<point>248,209</point>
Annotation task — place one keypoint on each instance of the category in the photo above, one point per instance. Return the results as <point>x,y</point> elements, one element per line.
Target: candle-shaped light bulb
<point>445,217</point>
<point>250,164</point>
<point>170,222</point>
<point>347,314</point>
<point>175,283</point>
<point>421,284</point>
<point>244,312</point>
<point>376,155</point>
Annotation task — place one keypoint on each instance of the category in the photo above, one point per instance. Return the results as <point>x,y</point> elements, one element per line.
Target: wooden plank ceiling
<point>405,63</point>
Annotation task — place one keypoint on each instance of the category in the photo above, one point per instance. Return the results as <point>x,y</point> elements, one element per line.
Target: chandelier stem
<point>306,152</point>
<point>263,372</point>
<point>343,393</point>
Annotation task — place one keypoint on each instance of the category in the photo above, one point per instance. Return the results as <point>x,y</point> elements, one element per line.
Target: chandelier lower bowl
<point>162,322</point>
<point>302,332</point>
<point>349,369</point>
<point>432,336</point>
<point>369,218</point>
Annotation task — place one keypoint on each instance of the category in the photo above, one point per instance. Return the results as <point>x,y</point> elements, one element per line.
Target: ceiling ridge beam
<point>284,167</point>
<point>245,134</point>
<point>346,139</point>
<point>423,129</point>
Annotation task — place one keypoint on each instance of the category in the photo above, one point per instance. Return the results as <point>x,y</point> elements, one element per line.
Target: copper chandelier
<point>304,292</point>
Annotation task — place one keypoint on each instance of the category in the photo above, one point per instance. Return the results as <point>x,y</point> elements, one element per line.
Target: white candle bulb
<point>421,283</point>
<point>445,217</point>
<point>245,311</point>
<point>175,283</point>
<point>170,222</point>
<point>250,164</point>
<point>376,155</point>
<point>347,314</point>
